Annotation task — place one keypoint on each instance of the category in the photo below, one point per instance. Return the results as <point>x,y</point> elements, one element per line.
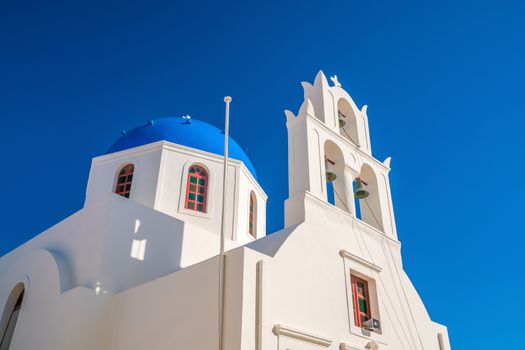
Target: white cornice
<point>129,152</point>
<point>167,145</point>
<point>346,254</point>
<point>345,346</point>
<point>212,156</point>
<point>280,329</point>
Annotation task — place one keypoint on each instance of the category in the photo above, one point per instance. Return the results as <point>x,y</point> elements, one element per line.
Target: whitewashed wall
<point>142,273</point>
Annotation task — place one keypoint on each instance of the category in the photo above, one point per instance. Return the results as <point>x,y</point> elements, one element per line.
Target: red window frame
<point>196,189</point>
<point>251,223</point>
<point>124,180</point>
<point>361,300</point>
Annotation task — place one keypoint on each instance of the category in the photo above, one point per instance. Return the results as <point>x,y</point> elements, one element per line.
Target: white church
<point>138,266</point>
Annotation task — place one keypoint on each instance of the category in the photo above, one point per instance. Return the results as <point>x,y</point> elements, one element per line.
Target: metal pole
<point>222,257</point>
<point>259,288</point>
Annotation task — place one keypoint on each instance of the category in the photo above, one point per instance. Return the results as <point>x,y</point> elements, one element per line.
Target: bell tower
<point>330,158</point>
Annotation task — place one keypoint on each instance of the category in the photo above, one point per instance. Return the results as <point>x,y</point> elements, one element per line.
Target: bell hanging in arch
<point>330,171</point>
<point>360,189</point>
<point>341,119</point>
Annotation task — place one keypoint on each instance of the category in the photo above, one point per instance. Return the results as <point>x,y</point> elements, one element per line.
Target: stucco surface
<point>142,272</point>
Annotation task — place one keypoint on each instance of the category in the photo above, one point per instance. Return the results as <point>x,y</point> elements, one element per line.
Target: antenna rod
<point>222,257</point>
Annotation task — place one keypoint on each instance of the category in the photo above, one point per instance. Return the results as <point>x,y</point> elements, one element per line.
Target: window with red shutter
<point>361,300</point>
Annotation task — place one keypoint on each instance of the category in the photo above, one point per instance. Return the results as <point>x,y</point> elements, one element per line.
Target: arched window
<point>124,179</point>
<point>197,189</point>
<point>252,224</point>
<point>10,316</point>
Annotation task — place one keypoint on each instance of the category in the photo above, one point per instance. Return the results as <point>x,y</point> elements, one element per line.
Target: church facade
<point>138,268</point>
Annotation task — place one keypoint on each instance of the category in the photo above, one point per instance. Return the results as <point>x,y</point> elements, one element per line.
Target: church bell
<point>330,171</point>
<point>360,189</point>
<point>341,120</point>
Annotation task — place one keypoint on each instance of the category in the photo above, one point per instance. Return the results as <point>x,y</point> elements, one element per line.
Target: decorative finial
<point>320,80</point>
<point>387,161</point>
<point>227,99</point>
<point>188,119</point>
<point>310,108</point>
<point>335,81</point>
<point>289,115</point>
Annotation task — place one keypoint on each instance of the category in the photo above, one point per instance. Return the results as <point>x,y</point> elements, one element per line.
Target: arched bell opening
<point>10,315</point>
<point>334,176</point>
<point>347,121</point>
<point>367,198</point>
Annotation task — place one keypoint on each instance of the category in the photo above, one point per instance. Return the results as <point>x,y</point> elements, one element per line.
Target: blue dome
<point>187,132</point>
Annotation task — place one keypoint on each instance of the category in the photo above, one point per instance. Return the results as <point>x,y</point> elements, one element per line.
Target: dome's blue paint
<point>190,133</point>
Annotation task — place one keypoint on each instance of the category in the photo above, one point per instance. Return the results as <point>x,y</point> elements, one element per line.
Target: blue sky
<point>444,82</point>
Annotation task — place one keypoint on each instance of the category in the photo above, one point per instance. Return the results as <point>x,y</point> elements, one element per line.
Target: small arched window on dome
<point>252,224</point>
<point>10,316</point>
<point>197,189</point>
<point>124,180</point>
